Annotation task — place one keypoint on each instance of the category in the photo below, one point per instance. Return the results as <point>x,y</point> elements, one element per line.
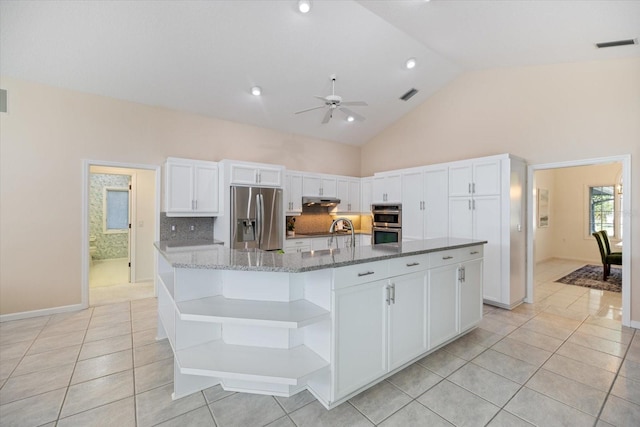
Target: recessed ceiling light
<point>411,63</point>
<point>350,118</point>
<point>256,91</point>
<point>304,6</point>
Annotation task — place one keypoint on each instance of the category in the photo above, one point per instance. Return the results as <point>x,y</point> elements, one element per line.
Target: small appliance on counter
<point>386,223</point>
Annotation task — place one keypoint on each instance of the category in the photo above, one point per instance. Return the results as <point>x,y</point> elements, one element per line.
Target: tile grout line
<point>523,385</point>
<point>75,364</point>
<point>615,378</point>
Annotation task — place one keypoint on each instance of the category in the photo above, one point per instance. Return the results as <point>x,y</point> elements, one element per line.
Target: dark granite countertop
<point>218,257</point>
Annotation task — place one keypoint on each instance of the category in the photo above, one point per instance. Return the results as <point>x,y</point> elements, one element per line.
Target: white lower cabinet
<point>455,293</point>
<point>407,311</point>
<point>470,294</point>
<point>360,336</point>
<point>379,325</point>
<point>442,304</point>
<point>297,245</point>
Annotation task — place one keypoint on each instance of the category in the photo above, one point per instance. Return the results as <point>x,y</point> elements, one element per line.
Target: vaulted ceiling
<point>203,57</point>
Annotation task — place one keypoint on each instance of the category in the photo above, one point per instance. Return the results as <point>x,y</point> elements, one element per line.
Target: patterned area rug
<point>590,276</point>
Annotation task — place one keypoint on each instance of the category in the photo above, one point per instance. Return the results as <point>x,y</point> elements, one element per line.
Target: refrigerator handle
<point>259,219</point>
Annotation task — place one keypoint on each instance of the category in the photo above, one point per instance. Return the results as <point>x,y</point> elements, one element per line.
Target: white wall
<point>49,131</point>
<point>545,114</point>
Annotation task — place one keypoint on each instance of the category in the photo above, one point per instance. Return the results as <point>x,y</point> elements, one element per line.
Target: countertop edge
<point>303,269</point>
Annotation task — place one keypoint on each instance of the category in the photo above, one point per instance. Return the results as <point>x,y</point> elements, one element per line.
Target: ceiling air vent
<point>617,43</point>
<point>409,94</point>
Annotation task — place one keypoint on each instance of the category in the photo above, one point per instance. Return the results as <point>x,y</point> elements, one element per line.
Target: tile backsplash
<point>314,222</point>
<point>202,228</point>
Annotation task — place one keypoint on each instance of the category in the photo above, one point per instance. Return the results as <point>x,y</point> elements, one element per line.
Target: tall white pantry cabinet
<point>487,202</point>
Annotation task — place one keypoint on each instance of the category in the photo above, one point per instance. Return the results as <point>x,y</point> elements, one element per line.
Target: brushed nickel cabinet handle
<point>413,264</point>
<point>366,274</point>
<point>447,257</point>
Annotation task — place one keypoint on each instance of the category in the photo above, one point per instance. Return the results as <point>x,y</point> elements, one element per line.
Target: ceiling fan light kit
<point>334,102</point>
<point>256,91</point>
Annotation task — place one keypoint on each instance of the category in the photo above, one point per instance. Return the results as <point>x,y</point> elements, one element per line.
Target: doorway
<point>110,226</point>
<point>120,223</point>
<point>536,243</point>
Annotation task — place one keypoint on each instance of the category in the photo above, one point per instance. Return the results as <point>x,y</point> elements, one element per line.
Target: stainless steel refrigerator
<point>257,219</point>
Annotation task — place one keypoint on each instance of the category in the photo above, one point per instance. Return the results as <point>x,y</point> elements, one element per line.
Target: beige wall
<point>545,114</point>
<point>43,139</point>
<point>543,237</point>
<point>567,236</point>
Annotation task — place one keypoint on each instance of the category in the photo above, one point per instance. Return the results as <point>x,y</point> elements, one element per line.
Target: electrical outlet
<point>192,228</point>
<point>173,227</point>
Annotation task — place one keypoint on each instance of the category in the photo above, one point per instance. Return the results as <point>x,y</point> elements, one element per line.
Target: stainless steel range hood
<point>325,202</point>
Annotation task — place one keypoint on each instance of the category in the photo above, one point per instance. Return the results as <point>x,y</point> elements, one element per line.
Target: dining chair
<point>607,256</point>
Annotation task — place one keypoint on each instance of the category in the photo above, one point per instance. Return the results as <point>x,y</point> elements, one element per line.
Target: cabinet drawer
<point>453,256</point>
<point>360,273</point>
<point>450,256</point>
<point>408,264</point>
<point>472,252</point>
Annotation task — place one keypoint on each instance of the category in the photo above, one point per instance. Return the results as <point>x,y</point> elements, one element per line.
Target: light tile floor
<point>109,283</point>
<point>564,360</point>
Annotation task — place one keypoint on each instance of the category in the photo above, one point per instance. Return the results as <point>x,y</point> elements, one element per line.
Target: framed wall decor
<point>543,207</point>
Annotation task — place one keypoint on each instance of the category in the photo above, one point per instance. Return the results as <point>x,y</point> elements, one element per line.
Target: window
<point>116,210</point>
<point>602,210</point>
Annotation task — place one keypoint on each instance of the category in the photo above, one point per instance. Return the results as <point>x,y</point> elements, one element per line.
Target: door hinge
<point>129,265</point>
<point>129,226</point>
<point>129,186</point>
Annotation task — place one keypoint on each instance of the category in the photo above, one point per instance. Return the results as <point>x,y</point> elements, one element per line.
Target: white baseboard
<point>634,324</point>
<point>42,312</point>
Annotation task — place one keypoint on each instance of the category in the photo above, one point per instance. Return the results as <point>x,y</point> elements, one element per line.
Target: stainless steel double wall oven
<point>387,223</point>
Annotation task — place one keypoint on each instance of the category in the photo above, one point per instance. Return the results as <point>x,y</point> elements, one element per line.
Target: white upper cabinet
<point>475,178</point>
<point>412,205</point>
<point>486,203</point>
<point>293,192</point>
<point>319,186</point>
<point>387,187</point>
<point>255,174</point>
<point>366,193</point>
<point>348,191</point>
<point>191,188</point>
<point>425,200</point>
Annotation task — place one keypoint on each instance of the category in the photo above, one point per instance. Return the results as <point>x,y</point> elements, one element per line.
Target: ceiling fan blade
<point>351,113</point>
<point>361,103</point>
<point>327,116</point>
<point>321,98</point>
<point>309,109</point>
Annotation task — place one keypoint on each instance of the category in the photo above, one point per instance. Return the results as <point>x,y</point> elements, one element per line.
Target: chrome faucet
<point>332,230</point>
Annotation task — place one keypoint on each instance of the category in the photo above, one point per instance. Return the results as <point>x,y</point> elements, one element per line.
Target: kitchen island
<point>334,322</point>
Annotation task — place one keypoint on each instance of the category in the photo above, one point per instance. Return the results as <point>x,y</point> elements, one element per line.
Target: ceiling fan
<point>334,102</point>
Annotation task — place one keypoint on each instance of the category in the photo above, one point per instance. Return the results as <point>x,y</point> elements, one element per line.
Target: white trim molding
<point>43,312</point>
<point>84,235</point>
